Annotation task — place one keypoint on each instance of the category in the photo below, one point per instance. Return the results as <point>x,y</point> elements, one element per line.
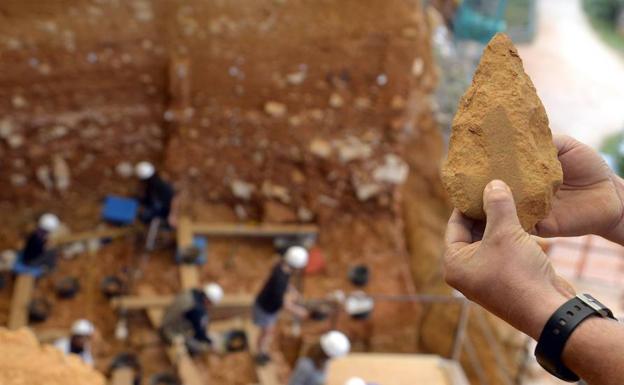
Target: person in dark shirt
<point>157,196</point>
<point>273,297</point>
<point>188,316</point>
<point>35,253</point>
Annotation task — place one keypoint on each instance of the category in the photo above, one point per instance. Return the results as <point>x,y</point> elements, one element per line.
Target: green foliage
<point>605,10</point>
<point>611,146</point>
<point>602,16</point>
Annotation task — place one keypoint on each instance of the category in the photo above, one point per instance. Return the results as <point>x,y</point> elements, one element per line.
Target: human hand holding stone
<point>590,200</point>
<point>504,270</point>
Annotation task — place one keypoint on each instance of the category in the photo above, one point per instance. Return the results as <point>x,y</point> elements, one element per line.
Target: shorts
<point>262,318</point>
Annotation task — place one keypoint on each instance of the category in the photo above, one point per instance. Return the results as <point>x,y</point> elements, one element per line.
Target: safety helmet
<point>82,327</point>
<point>335,344</point>
<point>214,292</point>
<point>144,170</point>
<point>296,257</point>
<point>49,222</point>
<point>355,381</point>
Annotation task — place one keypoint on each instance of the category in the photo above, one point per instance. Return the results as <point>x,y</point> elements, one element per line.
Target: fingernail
<point>497,185</point>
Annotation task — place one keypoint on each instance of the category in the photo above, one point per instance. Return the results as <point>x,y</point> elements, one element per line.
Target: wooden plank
<point>110,232</point>
<point>22,295</point>
<point>184,234</point>
<point>260,230</point>
<point>392,369</point>
<point>189,276</point>
<point>122,376</point>
<point>187,371</point>
<point>454,372</point>
<point>177,353</point>
<point>155,301</point>
<point>155,314</point>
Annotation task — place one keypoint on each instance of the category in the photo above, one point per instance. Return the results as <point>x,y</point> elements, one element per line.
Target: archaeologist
<point>189,315</point>
<point>79,342</point>
<point>276,293</point>
<point>157,196</point>
<point>310,369</point>
<point>503,268</point>
<point>36,252</point>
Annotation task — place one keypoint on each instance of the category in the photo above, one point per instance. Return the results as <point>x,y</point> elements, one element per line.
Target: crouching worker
<point>157,196</point>
<point>79,342</point>
<point>36,252</point>
<point>310,369</point>
<point>273,297</point>
<point>189,315</point>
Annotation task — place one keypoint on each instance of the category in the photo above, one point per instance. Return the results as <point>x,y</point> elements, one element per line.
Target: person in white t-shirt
<point>79,342</point>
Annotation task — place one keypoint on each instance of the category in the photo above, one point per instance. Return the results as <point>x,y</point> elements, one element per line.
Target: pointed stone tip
<point>499,38</point>
<point>501,44</point>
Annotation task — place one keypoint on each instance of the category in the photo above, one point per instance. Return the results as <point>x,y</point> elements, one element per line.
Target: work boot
<point>262,359</point>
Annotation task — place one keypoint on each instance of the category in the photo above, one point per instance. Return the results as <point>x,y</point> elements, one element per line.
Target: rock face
<point>501,131</point>
<point>24,361</point>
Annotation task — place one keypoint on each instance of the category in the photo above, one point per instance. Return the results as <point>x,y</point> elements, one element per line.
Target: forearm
<point>595,351</point>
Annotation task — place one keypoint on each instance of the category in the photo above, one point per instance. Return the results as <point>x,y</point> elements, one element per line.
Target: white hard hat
<point>82,327</point>
<point>214,292</point>
<point>355,381</point>
<point>297,257</point>
<point>49,222</point>
<point>144,170</point>
<point>335,344</point>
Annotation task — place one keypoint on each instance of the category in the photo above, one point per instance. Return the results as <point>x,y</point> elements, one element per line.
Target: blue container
<point>119,210</point>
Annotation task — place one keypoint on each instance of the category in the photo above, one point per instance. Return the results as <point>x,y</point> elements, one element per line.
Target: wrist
<point>539,308</point>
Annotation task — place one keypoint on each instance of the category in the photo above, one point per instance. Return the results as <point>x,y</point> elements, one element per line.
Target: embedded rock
<point>501,131</point>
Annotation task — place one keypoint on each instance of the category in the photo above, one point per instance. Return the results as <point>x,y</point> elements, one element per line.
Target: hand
<point>590,199</point>
<point>503,268</point>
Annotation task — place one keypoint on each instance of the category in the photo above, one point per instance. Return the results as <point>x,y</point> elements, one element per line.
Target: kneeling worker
<point>188,316</point>
<point>310,369</point>
<point>36,253</point>
<point>273,297</point>
<point>79,342</point>
<point>157,196</point>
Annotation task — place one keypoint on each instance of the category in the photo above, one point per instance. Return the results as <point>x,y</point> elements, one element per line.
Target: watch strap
<point>558,330</point>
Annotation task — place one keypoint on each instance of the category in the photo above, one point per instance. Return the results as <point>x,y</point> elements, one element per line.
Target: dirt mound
<point>24,361</point>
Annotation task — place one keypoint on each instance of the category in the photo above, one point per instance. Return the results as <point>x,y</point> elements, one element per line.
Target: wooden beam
<point>187,371</point>
<point>184,234</point>
<point>111,232</point>
<point>260,230</point>
<point>189,276</point>
<point>22,294</point>
<point>177,352</point>
<point>154,301</point>
<point>122,376</point>
<point>155,314</point>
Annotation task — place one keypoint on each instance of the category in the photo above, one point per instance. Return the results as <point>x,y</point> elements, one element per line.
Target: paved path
<point>578,77</point>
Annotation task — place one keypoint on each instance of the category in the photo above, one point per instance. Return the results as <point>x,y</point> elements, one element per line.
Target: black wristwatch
<point>560,327</point>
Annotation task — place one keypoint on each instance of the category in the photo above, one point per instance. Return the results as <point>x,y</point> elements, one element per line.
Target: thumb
<point>499,207</point>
